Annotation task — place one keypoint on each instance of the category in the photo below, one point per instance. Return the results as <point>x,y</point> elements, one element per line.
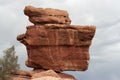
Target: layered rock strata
<point>58,48</point>
<point>47,15</point>
<point>52,43</point>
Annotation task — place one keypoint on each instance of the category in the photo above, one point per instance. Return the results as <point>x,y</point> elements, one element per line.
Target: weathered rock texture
<point>47,15</point>
<point>41,75</point>
<point>58,48</point>
<point>52,43</point>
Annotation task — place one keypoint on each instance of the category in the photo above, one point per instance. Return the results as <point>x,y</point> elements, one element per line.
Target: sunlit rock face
<point>52,43</point>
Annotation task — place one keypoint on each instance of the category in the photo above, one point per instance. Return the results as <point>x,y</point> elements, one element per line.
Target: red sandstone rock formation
<point>58,48</point>
<point>52,43</point>
<point>41,75</point>
<point>47,15</point>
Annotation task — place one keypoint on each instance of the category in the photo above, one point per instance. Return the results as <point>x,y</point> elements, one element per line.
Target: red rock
<point>58,48</point>
<point>41,75</point>
<point>52,43</point>
<point>47,15</point>
<point>21,75</point>
<point>80,36</point>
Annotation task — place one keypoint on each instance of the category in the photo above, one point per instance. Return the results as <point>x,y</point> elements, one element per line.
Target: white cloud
<point>5,2</point>
<point>102,13</point>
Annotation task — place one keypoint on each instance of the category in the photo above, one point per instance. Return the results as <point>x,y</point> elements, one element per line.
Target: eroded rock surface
<point>41,75</point>
<point>52,43</point>
<point>58,48</point>
<point>47,15</point>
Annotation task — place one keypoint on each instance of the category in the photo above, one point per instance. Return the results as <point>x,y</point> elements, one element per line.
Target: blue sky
<point>104,14</point>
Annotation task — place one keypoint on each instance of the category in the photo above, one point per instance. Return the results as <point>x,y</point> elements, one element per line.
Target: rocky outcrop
<point>47,15</point>
<point>58,47</point>
<point>52,43</point>
<point>41,75</point>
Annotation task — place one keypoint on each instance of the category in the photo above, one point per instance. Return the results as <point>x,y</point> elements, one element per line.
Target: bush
<point>8,64</point>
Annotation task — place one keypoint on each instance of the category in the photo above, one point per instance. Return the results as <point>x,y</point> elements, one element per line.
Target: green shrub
<point>8,64</point>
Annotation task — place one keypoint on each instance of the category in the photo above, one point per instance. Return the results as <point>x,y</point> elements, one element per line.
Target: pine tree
<point>8,64</point>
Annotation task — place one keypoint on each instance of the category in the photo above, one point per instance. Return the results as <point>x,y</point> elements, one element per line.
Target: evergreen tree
<point>8,64</point>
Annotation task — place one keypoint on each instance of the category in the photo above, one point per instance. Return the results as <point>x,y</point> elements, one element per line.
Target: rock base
<point>41,75</point>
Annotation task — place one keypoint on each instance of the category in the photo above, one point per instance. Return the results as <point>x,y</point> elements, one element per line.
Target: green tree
<point>8,64</point>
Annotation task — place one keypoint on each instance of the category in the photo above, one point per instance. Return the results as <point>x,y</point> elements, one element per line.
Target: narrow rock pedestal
<point>41,75</point>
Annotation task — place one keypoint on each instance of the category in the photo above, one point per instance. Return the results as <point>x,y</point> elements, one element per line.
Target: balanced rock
<point>58,47</point>
<point>52,43</point>
<point>47,15</point>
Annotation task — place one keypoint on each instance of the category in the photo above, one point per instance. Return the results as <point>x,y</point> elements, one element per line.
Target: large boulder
<point>52,43</point>
<point>58,47</point>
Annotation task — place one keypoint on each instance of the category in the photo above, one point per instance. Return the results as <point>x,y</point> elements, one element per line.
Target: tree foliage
<point>8,64</point>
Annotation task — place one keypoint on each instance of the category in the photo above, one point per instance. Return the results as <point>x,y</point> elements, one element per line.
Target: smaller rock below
<point>41,75</point>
